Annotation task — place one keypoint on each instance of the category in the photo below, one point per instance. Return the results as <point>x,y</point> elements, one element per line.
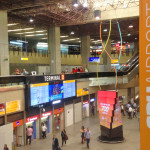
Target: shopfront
<point>85,109</point>
<point>92,104</point>
<point>46,118</point>
<point>58,123</point>
<point>33,122</point>
<point>18,134</point>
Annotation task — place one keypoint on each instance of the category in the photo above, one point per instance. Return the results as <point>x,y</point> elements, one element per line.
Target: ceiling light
<point>105,30</point>
<point>124,5</point>
<point>20,29</point>
<point>128,34</point>
<point>63,36</point>
<point>40,31</point>
<point>130,26</point>
<point>97,14</point>
<point>136,38</point>
<point>31,20</point>
<point>65,40</point>
<point>43,38</point>
<point>75,3</point>
<point>119,42</point>
<point>39,34</point>
<point>12,24</point>
<point>85,4</point>
<point>30,35</point>
<point>72,33</point>
<point>124,42</point>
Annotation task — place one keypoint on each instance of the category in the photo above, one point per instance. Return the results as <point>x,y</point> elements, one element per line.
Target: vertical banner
<point>144,74</point>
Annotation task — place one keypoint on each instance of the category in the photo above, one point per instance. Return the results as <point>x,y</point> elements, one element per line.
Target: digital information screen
<point>39,93</point>
<point>69,88</point>
<point>55,91</point>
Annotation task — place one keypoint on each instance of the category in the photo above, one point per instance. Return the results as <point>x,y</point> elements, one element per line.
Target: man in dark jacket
<point>55,144</point>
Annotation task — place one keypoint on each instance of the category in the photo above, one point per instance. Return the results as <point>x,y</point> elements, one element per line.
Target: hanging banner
<point>144,64</point>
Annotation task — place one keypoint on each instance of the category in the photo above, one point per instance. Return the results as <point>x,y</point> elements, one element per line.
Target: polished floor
<point>130,129</point>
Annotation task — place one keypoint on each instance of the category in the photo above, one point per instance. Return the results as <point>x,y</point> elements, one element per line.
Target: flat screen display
<point>69,88</point>
<point>55,91</point>
<point>39,93</point>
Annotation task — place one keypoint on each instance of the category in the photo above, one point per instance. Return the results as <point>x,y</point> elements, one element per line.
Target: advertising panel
<point>144,77</point>
<point>13,106</point>
<point>2,109</point>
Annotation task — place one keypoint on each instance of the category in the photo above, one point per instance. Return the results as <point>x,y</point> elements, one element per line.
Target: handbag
<point>66,137</point>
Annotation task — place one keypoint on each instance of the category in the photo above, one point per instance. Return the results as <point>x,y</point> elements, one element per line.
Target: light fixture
<point>12,24</point>
<point>39,34</point>
<point>63,36</point>
<point>130,26</point>
<point>43,38</point>
<point>40,31</point>
<point>97,14</point>
<point>19,33</point>
<point>105,30</point>
<point>128,34</point>
<point>30,35</point>
<point>85,4</point>
<point>136,38</point>
<point>75,3</point>
<point>31,20</point>
<point>72,33</point>
<point>29,32</point>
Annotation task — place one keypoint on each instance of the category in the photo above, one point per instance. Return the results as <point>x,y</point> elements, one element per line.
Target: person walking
<point>44,128</point>
<point>64,136</point>
<point>134,112</point>
<point>122,109</point>
<point>93,110</point>
<point>5,147</point>
<point>55,144</point>
<point>88,136</point>
<point>130,112</point>
<point>29,133</point>
<point>82,130</point>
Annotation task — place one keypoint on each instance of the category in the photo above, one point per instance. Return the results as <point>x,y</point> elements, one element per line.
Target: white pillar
<point>4,50</point>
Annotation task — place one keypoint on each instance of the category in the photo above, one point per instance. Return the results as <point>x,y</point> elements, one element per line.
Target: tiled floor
<point>130,128</point>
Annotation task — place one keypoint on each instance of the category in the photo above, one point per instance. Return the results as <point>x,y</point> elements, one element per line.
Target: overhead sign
<point>13,106</point>
<point>81,92</point>
<point>94,59</point>
<point>114,61</point>
<point>33,118</point>
<point>52,78</point>
<point>144,77</point>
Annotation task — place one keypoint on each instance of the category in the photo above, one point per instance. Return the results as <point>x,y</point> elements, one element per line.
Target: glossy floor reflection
<point>130,129</point>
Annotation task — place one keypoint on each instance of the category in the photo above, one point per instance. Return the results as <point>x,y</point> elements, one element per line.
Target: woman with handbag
<point>64,136</point>
<point>82,130</point>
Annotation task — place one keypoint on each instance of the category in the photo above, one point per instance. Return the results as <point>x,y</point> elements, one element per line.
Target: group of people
<point>20,72</point>
<point>79,70</point>
<point>85,135</point>
<point>131,109</point>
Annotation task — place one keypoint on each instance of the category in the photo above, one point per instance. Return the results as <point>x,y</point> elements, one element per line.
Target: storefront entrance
<point>85,109</point>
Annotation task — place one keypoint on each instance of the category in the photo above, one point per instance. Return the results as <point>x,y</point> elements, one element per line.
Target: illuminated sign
<point>56,102</point>
<point>17,123</point>
<point>13,106</point>
<point>81,92</point>
<point>2,109</point>
<point>144,77</point>
<point>62,77</point>
<point>94,59</point>
<point>59,110</point>
<point>52,78</point>
<point>92,100</point>
<point>30,119</point>
<point>46,114</point>
<point>114,61</point>
<point>24,58</point>
<point>85,102</point>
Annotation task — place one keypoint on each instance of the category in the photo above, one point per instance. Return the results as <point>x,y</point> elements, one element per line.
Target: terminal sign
<point>52,78</point>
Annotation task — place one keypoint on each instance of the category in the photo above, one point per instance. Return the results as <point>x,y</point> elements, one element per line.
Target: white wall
<point>6,136</point>
<point>20,133</point>
<point>78,112</point>
<point>68,115</point>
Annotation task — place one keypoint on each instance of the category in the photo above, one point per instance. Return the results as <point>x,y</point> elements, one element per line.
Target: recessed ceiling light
<point>63,36</point>
<point>128,34</point>
<point>72,33</point>
<point>19,33</point>
<point>12,24</point>
<point>39,34</point>
<point>30,35</point>
<point>29,32</point>
<point>40,31</point>
<point>31,20</point>
<point>136,38</point>
<point>75,3</point>
<point>105,30</point>
<point>43,38</point>
<point>130,26</point>
<point>85,4</point>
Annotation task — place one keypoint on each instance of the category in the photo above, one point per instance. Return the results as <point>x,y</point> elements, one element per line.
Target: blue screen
<point>39,93</point>
<point>69,88</point>
<point>55,91</point>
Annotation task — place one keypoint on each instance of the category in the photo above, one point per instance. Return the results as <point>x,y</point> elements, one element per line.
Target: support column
<point>4,50</point>
<point>85,50</point>
<point>136,47</point>
<point>106,59</point>
<point>54,49</point>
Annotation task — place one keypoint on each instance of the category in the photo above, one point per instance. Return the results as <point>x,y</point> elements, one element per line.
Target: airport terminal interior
<point>69,74</point>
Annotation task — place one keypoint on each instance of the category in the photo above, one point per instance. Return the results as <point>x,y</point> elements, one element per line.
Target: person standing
<point>44,128</point>
<point>64,136</point>
<point>88,136</point>
<point>93,110</point>
<point>5,147</point>
<point>29,133</point>
<point>130,112</point>
<point>122,109</point>
<point>82,130</point>
<point>55,144</point>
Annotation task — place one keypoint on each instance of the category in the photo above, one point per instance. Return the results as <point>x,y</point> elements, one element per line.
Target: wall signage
<point>52,78</point>
<point>85,102</point>
<point>46,114</point>
<point>13,106</point>
<point>94,59</point>
<point>92,99</point>
<point>30,119</point>
<point>17,123</point>
<point>56,102</point>
<point>2,109</point>
<point>144,77</point>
